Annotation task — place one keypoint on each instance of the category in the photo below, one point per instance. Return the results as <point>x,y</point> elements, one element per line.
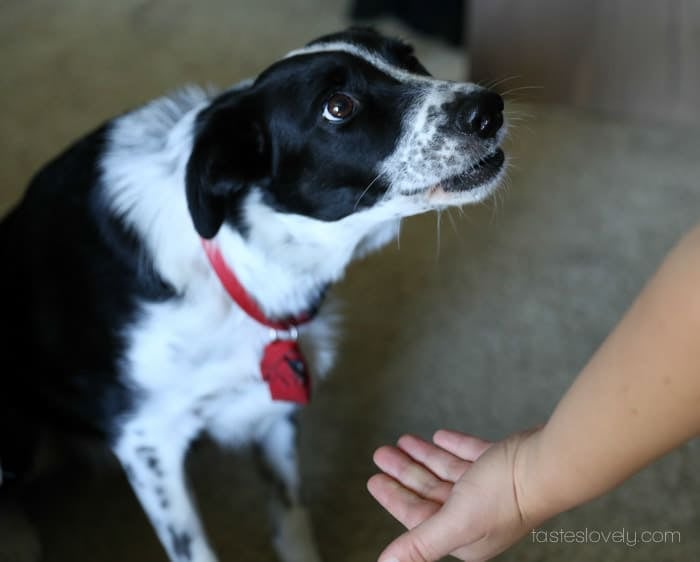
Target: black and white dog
<point>156,275</point>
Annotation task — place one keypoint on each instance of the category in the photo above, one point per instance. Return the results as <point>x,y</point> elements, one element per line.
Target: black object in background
<point>444,19</point>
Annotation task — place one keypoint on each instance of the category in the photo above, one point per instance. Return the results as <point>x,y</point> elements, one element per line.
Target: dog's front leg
<point>154,464</point>
<point>276,452</point>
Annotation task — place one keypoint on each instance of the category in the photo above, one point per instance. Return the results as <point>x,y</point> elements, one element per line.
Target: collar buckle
<point>289,334</point>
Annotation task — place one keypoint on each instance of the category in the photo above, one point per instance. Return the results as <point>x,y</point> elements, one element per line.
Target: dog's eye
<point>339,108</point>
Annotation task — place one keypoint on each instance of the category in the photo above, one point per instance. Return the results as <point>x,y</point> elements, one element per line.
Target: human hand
<point>458,496</point>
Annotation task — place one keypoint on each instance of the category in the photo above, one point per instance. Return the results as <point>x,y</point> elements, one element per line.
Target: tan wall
<point>631,57</point>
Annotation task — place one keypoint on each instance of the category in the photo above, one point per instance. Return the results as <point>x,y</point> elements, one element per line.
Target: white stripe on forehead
<point>368,56</point>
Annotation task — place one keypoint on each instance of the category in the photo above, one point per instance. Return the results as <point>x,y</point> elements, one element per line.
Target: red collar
<point>282,366</point>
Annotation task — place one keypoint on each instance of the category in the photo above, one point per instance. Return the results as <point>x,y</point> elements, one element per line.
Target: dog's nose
<point>481,113</point>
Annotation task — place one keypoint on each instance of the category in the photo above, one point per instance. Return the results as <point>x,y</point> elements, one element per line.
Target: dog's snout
<point>481,113</point>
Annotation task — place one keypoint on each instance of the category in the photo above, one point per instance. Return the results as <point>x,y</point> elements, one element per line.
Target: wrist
<point>537,492</point>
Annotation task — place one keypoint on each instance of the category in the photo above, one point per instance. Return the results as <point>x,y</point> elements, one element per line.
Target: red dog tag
<point>284,369</point>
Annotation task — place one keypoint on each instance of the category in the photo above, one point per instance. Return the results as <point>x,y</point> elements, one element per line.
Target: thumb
<point>434,538</point>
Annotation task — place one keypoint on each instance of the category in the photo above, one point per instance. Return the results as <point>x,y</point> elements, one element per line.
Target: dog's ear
<point>230,151</point>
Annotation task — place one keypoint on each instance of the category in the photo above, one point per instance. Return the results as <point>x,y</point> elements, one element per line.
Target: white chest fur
<point>196,362</point>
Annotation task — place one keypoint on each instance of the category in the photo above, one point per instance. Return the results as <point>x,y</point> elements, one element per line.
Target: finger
<point>411,475</point>
<point>466,447</point>
<point>443,464</point>
<point>404,505</point>
<point>434,538</point>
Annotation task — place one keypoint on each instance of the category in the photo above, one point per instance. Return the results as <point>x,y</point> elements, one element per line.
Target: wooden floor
<point>635,59</point>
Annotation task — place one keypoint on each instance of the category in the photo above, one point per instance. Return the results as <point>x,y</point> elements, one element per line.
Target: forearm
<point>638,397</point>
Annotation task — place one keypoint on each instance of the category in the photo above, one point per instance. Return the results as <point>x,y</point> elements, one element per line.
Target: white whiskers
<point>369,186</point>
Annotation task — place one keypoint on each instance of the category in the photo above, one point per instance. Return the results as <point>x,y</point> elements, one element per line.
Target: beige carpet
<point>478,322</point>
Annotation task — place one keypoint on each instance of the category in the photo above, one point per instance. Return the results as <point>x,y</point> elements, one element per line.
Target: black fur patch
<point>72,277</point>
<point>182,543</point>
<point>394,51</point>
<point>149,456</point>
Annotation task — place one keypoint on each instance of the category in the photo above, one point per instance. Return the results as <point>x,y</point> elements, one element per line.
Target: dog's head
<point>351,123</point>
